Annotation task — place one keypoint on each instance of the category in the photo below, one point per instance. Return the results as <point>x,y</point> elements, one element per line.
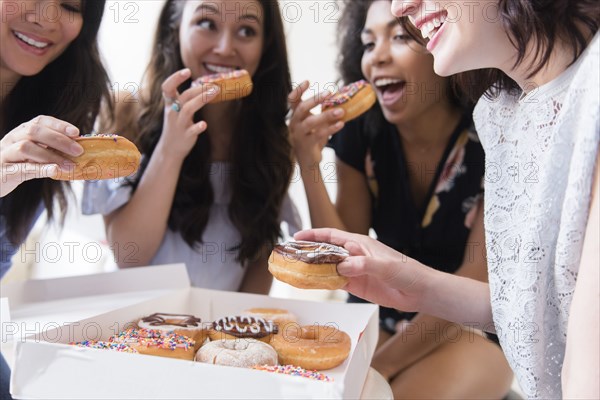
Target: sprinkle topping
<point>153,338</point>
<point>344,95</point>
<point>221,76</point>
<point>120,347</point>
<point>294,371</point>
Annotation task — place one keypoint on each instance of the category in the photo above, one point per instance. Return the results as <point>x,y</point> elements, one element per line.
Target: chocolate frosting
<point>245,327</point>
<point>312,252</point>
<point>183,320</point>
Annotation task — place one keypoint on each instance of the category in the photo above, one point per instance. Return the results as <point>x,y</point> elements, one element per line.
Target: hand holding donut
<point>180,132</point>
<point>309,132</point>
<point>376,272</point>
<point>30,151</point>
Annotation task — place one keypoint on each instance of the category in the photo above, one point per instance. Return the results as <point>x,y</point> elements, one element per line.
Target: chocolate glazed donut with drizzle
<point>241,327</point>
<point>308,265</point>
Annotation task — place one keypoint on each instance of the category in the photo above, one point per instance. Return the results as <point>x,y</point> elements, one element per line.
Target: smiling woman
<point>211,191</point>
<point>52,86</point>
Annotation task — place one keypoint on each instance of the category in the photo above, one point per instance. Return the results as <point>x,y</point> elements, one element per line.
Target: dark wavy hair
<point>543,23</point>
<point>351,24</point>
<point>71,88</point>
<point>260,155</point>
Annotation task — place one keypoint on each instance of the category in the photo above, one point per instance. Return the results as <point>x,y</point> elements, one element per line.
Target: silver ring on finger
<point>172,102</point>
<point>176,106</point>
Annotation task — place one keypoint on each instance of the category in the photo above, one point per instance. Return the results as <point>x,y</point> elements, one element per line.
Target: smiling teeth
<point>31,42</point>
<point>218,69</point>
<point>385,82</point>
<point>428,29</point>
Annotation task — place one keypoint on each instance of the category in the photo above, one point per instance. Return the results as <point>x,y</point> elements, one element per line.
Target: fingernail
<point>184,72</point>
<point>72,131</point>
<point>212,89</point>
<point>76,149</point>
<point>338,112</point>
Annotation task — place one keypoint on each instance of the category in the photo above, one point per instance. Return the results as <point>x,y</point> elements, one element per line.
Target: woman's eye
<point>205,24</point>
<point>368,46</point>
<point>402,38</point>
<point>246,31</point>
<point>72,6</point>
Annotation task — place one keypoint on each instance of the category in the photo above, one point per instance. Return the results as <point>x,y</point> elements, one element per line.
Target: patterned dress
<point>436,232</point>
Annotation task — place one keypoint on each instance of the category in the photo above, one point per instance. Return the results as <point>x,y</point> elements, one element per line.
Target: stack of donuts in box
<point>260,338</point>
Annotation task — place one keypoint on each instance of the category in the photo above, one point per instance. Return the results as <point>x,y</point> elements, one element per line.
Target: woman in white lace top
<point>538,122</point>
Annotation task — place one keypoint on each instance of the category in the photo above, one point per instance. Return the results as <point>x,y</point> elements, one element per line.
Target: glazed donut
<point>237,353</point>
<point>104,157</point>
<point>308,265</point>
<point>354,99</point>
<point>312,347</point>
<point>181,324</point>
<point>278,316</point>
<point>238,327</point>
<point>157,343</point>
<point>233,85</point>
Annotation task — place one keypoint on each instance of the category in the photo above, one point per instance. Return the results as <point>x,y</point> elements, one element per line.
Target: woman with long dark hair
<point>53,85</point>
<point>214,177</point>
<point>536,64</point>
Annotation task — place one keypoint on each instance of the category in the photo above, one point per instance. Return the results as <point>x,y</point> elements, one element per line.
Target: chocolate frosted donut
<point>308,265</point>
<point>355,99</point>
<point>238,327</point>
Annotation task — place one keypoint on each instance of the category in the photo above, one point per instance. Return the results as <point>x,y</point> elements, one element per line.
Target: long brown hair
<point>542,23</point>
<point>71,88</point>
<point>260,155</point>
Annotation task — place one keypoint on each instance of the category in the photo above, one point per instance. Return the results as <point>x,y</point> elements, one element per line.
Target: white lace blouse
<point>213,263</point>
<point>540,156</point>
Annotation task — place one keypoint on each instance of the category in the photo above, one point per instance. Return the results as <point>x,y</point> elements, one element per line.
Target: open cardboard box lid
<point>45,366</point>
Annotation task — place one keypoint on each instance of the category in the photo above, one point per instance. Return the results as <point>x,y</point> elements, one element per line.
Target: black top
<point>434,233</point>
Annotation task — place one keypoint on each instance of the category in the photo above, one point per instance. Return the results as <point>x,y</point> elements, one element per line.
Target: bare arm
<point>581,368</point>
<point>309,133</point>
<point>384,276</point>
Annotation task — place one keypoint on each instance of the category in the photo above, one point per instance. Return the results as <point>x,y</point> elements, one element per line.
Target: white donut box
<point>46,366</point>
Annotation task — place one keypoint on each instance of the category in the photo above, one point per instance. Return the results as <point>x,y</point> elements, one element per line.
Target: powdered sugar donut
<point>237,353</point>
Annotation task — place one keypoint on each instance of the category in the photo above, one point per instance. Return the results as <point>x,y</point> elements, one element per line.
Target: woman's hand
<point>29,151</point>
<point>180,132</point>
<point>309,132</point>
<point>377,273</point>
